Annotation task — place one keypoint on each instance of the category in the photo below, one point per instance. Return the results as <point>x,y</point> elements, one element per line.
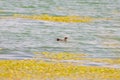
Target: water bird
<point>63,40</point>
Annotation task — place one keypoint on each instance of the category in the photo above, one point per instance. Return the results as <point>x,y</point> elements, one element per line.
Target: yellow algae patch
<point>74,56</point>
<point>0,48</point>
<point>41,70</point>
<point>116,12</point>
<point>1,10</point>
<point>67,19</point>
<point>62,55</point>
<point>105,60</point>
<point>112,45</point>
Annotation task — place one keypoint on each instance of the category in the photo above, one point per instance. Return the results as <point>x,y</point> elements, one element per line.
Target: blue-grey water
<point>20,38</point>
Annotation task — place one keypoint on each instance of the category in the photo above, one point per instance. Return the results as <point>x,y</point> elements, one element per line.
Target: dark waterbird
<point>63,40</point>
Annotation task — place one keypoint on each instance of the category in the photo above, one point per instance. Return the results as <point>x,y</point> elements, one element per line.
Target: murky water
<point>19,38</point>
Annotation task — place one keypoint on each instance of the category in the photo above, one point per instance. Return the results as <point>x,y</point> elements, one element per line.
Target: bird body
<point>63,40</point>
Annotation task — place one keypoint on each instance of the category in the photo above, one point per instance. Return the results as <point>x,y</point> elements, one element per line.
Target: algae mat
<point>56,68</point>
<point>41,70</point>
<point>63,19</point>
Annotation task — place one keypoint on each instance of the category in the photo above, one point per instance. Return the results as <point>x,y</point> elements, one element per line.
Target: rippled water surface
<point>19,38</point>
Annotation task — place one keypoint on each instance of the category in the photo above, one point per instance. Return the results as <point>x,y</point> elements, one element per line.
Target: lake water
<point>20,38</point>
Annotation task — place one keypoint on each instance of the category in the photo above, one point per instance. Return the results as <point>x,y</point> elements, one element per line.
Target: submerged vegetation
<point>35,69</point>
<point>60,56</point>
<point>74,56</point>
<point>68,19</point>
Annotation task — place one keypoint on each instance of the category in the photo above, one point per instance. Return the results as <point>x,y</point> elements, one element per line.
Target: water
<point>19,38</point>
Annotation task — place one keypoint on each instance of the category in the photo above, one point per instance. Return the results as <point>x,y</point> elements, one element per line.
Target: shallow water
<point>19,38</point>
